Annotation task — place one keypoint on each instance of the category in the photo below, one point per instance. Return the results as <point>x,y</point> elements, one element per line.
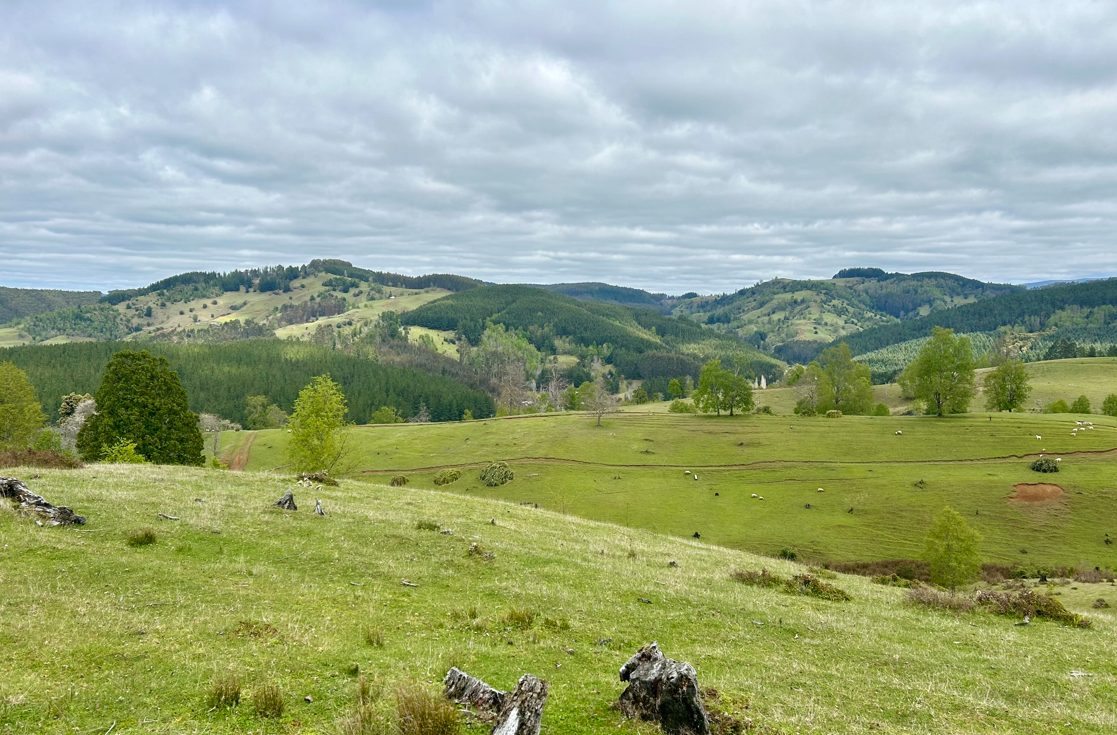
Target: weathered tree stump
<point>287,502</point>
<point>318,508</point>
<point>663,690</point>
<point>30,504</point>
<point>519,712</point>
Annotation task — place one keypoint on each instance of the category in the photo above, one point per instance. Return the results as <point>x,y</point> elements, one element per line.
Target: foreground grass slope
<point>631,472</point>
<point>98,632</point>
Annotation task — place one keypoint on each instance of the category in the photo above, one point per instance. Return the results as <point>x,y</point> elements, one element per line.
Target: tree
<point>810,386</point>
<point>1109,405</point>
<point>722,390</point>
<point>70,403</point>
<point>675,388</point>
<point>319,431</point>
<point>1059,406</point>
<point>259,414</point>
<point>599,400</point>
<point>639,396</point>
<point>386,415</point>
<point>848,386</point>
<point>1007,387</point>
<point>20,412</point>
<point>142,401</point>
<point>941,377</point>
<point>952,550</point>
<point>1080,405</point>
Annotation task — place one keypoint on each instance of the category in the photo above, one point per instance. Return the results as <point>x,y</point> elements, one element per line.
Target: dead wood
<point>287,502</point>
<point>30,504</point>
<point>519,712</point>
<point>663,690</point>
<point>318,508</point>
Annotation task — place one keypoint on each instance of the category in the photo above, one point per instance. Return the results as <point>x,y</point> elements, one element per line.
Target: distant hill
<point>16,303</point>
<point>608,294</point>
<point>792,319</point>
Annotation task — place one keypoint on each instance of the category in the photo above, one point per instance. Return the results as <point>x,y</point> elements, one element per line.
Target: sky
<point>673,146</point>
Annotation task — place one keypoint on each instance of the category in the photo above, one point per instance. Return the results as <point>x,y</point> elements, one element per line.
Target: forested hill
<point>551,321</point>
<point>16,303</point>
<point>793,319</point>
<point>609,294</point>
<point>218,378</point>
<point>1028,311</point>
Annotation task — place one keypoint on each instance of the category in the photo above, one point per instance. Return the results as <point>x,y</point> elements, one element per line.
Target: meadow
<point>103,636</point>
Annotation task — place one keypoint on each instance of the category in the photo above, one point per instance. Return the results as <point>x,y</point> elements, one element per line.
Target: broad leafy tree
<point>941,377</point>
<point>319,432</point>
<point>1080,405</point>
<point>1007,387</point>
<point>1109,405</point>
<point>675,388</point>
<point>20,412</point>
<point>847,385</point>
<point>141,401</point>
<point>952,550</point>
<point>722,390</point>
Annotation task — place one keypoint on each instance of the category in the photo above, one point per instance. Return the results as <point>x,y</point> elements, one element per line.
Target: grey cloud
<point>655,144</point>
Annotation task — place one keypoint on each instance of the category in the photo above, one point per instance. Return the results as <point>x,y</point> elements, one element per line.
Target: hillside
<point>793,319</point>
<point>558,324</point>
<point>105,636</point>
<point>16,303</point>
<point>609,294</point>
<point>219,377</point>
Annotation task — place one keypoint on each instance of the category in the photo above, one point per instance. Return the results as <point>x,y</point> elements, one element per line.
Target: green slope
<point>16,303</point>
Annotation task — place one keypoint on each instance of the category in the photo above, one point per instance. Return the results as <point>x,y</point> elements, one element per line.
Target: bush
<point>34,458</point>
<point>763,578</point>
<point>680,406</point>
<point>1100,604</point>
<point>1109,405</point>
<point>939,600</point>
<point>1080,405</point>
<point>122,452</point>
<point>895,580</point>
<point>224,691</point>
<point>1059,406</point>
<point>764,410</point>
<point>399,481</point>
<point>833,414</point>
<point>141,537</point>
<point>426,526</point>
<point>1031,603</point>
<point>446,477</point>
<point>497,474</point>
<point>881,409</point>
<point>1045,464</point>
<point>520,617</point>
<point>787,554</point>
<point>268,701</point>
<point>808,584</point>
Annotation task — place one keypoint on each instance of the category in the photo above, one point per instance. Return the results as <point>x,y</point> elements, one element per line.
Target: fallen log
<point>663,690</point>
<point>519,712</point>
<point>30,504</point>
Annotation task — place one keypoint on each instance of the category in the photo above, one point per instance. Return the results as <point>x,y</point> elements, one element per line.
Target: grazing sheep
<point>761,497</point>
<point>754,495</point>
<point>1038,436</point>
<point>898,433</point>
<point>821,490</point>
<point>1058,459</point>
<point>696,478</point>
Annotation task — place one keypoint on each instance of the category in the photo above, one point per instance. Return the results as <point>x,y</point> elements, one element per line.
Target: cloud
<point>672,146</point>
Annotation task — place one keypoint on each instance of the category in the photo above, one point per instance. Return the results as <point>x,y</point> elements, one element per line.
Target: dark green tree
<point>141,400</point>
<point>1080,405</point>
<point>1007,387</point>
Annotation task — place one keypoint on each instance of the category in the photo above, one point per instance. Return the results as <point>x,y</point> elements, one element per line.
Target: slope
<point>104,636</point>
<point>16,303</point>
<point>609,294</point>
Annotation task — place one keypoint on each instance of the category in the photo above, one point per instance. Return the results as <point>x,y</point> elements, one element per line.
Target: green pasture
<point>630,471</point>
<point>1093,377</point>
<point>104,637</point>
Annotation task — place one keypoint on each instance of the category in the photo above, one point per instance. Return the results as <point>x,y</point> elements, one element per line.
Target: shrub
<point>399,481</point>
<point>224,691</point>
<point>1100,604</point>
<point>787,554</point>
<point>141,537</point>
<point>833,414</point>
<point>427,526</point>
<point>122,452</point>
<point>1093,576</point>
<point>497,474</point>
<point>895,580</point>
<point>421,713</point>
<point>446,477</point>
<point>1080,405</point>
<point>763,578</point>
<point>1059,406</point>
<point>35,458</point>
<point>1028,602</point>
<point>1045,464</point>
<point>808,584</point>
<point>268,701</point>
<point>520,617</point>
<point>680,406</point>
<point>939,600</point>
<point>764,410</point>
<point>881,409</point>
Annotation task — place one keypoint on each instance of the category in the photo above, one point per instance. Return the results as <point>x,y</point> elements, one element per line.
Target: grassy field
<point>101,635</point>
<point>1094,377</point>
<point>631,472</point>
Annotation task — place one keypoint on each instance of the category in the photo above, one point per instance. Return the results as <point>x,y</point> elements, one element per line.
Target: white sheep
<point>762,497</point>
<point>696,478</point>
<point>898,433</point>
<point>821,490</point>
<point>1058,459</point>
<point>1038,436</point>
<point>754,495</point>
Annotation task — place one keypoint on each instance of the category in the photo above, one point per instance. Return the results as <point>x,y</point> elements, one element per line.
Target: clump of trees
<point>941,378</point>
<point>834,382</point>
<point>1007,387</point>
<point>142,402</point>
<point>720,390</point>
<point>259,413</point>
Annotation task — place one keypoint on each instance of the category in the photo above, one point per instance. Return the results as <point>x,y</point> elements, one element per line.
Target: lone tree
<point>319,431</point>
<point>942,376</point>
<point>141,400</point>
<point>675,388</point>
<point>846,386</point>
<point>20,412</point>
<point>1007,387</point>
<point>722,390</point>
<point>598,399</point>
<point>952,550</point>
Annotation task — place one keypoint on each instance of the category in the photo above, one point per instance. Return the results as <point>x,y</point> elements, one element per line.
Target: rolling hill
<point>16,303</point>
<point>609,294</point>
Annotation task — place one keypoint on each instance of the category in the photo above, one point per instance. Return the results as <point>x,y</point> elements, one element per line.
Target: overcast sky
<point>673,146</point>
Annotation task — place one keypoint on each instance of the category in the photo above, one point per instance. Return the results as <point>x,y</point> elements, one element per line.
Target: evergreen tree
<point>20,412</point>
<point>318,428</point>
<point>1007,387</point>
<point>942,376</point>
<point>141,400</point>
<point>952,550</point>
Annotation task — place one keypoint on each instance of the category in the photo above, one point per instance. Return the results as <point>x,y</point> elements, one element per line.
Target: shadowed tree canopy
<point>141,400</point>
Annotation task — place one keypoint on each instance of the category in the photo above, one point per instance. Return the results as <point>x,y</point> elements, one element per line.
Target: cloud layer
<point>666,145</point>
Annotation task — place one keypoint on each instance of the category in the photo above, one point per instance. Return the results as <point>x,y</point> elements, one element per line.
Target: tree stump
<point>30,504</point>
<point>663,690</point>
<point>287,502</point>
<point>318,508</point>
<point>519,712</point>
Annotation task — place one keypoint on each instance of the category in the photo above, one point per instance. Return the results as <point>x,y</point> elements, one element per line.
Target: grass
<point>631,472</point>
<point>140,537</point>
<point>95,635</point>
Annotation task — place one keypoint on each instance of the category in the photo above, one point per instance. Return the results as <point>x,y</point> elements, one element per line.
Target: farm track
<point>240,459</point>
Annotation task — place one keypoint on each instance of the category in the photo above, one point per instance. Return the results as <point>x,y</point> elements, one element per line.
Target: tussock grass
<point>800,584</point>
<point>427,526</point>
<point>520,617</point>
<point>935,599</point>
<point>422,713</point>
<point>224,691</point>
<point>374,636</point>
<point>267,700</point>
<point>141,537</point>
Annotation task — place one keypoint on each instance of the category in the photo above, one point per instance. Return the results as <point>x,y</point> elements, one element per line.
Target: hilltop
<point>105,635</point>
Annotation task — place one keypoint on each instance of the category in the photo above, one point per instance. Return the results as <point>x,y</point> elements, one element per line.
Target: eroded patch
<point>1036,492</point>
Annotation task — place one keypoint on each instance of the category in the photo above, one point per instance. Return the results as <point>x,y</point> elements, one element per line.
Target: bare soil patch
<point>1036,492</point>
